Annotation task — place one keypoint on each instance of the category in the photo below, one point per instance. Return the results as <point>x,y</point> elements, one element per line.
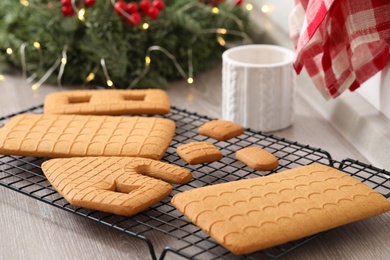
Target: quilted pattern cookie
<point>199,152</point>
<point>119,185</point>
<point>221,130</point>
<point>250,215</point>
<point>79,135</point>
<point>108,102</point>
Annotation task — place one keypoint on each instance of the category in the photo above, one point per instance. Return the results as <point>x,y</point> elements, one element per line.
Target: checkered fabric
<point>341,43</point>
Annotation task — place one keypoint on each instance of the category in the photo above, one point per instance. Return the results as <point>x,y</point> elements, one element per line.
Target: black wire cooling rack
<point>24,175</point>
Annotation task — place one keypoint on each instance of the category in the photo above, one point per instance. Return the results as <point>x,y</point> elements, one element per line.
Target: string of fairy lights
<point>188,76</point>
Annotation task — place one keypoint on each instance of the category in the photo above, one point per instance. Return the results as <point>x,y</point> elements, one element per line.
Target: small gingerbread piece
<point>257,158</point>
<point>199,152</point>
<point>220,130</point>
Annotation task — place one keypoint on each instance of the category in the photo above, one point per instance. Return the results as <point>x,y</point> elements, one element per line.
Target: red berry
<point>66,2</point>
<point>134,19</point>
<point>67,10</point>
<point>214,2</point>
<point>159,4</point>
<point>144,5</point>
<point>132,7</point>
<point>239,2</point>
<point>89,2</point>
<point>153,12</point>
<point>120,7</point>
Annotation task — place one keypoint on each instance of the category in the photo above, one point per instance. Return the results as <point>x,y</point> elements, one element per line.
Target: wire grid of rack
<point>24,175</point>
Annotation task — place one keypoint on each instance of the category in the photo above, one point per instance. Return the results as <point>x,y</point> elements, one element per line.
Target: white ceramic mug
<point>258,86</point>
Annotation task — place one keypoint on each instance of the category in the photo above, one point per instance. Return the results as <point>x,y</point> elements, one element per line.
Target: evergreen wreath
<point>122,44</point>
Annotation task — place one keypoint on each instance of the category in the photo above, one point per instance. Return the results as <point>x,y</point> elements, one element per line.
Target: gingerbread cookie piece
<point>199,152</point>
<point>119,185</point>
<point>79,135</point>
<point>257,158</point>
<point>253,214</point>
<point>221,130</point>
<point>108,102</point>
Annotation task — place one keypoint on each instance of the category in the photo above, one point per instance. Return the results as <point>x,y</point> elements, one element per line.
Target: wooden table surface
<point>31,229</point>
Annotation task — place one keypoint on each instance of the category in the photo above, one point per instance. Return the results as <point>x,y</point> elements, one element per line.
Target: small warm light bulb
<point>110,83</point>
<point>221,41</point>
<point>215,10</point>
<point>35,87</point>
<point>147,60</point>
<point>9,51</point>
<point>190,80</point>
<point>91,76</point>
<point>265,8</point>
<point>2,77</point>
<point>24,2</point>
<point>249,7</point>
<point>37,45</point>
<point>221,30</point>
<point>64,61</point>
<point>81,14</point>
<point>145,26</point>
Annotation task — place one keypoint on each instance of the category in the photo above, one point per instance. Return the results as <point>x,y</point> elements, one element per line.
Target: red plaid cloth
<point>341,43</point>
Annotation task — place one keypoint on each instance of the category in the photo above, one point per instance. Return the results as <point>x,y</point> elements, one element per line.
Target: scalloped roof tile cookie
<point>250,215</point>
